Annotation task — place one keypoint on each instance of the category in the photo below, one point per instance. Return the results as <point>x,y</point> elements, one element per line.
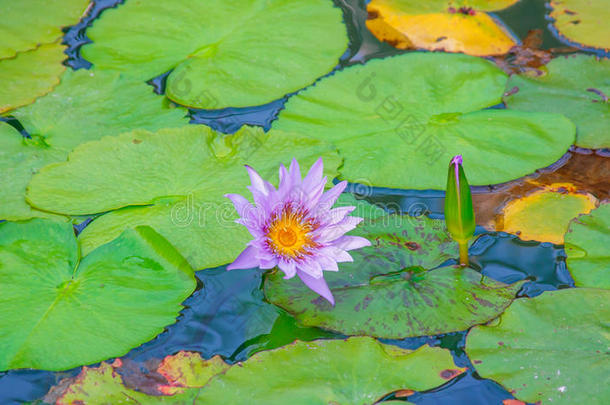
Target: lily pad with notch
<point>576,86</point>
<point>222,54</point>
<point>388,291</point>
<point>173,180</point>
<point>60,310</point>
<point>425,108</point>
<point>87,105</point>
<point>586,244</point>
<point>548,349</point>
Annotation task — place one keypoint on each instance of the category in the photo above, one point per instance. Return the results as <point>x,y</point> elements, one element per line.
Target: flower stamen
<point>289,234</point>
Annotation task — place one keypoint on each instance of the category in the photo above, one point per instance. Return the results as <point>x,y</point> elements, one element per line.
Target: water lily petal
<point>329,198</point>
<point>246,260</point>
<point>318,285</point>
<point>330,233</point>
<point>288,267</point>
<point>327,263</point>
<point>314,176</point>
<point>347,242</point>
<point>338,254</point>
<point>257,181</point>
<point>242,205</point>
<point>267,264</point>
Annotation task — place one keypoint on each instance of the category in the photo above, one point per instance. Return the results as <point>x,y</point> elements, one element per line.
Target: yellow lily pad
<point>545,214</point>
<point>440,25</point>
<point>583,22</point>
<point>30,75</point>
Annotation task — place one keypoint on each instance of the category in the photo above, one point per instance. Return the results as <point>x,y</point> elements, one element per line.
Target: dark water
<point>227,315</point>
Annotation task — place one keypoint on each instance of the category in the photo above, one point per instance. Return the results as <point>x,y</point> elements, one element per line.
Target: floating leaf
<point>383,294</point>
<point>104,385</point>
<point>173,180</point>
<point>223,54</point>
<point>423,108</point>
<point>440,25</point>
<point>90,104</point>
<point>545,214</point>
<point>548,349</point>
<point>20,157</point>
<point>359,370</point>
<point>329,372</point>
<point>101,384</point>
<point>587,242</point>
<point>30,75</point>
<point>86,105</point>
<point>577,86</point>
<point>59,310</point>
<point>189,370</point>
<point>582,22</point>
<point>24,25</point>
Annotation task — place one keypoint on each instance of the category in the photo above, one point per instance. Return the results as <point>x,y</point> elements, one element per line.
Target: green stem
<point>463,253</point>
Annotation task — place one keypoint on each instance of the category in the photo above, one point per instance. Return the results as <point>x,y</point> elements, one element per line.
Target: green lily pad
<point>173,180</point>
<point>30,75</point>
<point>59,310</point>
<point>330,372</point>
<point>424,108</point>
<point>24,25</point>
<point>223,54</point>
<point>19,158</point>
<point>91,104</point>
<point>586,244</point>
<point>359,370</point>
<point>386,293</point>
<point>582,22</point>
<point>577,86</point>
<point>85,106</point>
<point>548,349</point>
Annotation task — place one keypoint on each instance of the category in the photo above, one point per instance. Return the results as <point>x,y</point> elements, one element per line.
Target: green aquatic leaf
<point>582,22</point>
<point>548,349</point>
<point>86,105</point>
<point>387,292</point>
<point>59,310</point>
<point>24,25</point>
<point>30,75</point>
<point>423,107</point>
<point>576,86</point>
<point>329,372</point>
<point>359,370</point>
<point>586,244</point>
<point>90,104</point>
<point>222,54</point>
<point>20,157</point>
<point>173,180</point>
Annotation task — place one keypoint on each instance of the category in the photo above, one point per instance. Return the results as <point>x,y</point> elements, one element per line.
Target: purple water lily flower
<point>295,227</point>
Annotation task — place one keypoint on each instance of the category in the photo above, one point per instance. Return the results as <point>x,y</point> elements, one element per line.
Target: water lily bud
<point>459,213</point>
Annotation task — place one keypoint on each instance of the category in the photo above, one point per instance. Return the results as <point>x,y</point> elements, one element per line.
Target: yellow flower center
<point>290,235</point>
